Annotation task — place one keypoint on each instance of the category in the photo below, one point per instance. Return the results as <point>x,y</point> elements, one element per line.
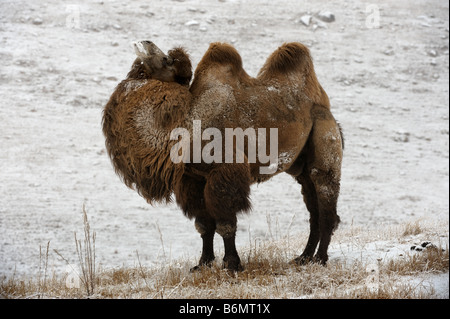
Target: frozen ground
<point>387,79</point>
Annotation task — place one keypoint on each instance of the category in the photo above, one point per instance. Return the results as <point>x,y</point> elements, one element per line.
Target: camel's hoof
<point>237,268</point>
<point>304,260</point>
<point>196,268</point>
<point>232,265</point>
<point>202,264</point>
<point>200,267</point>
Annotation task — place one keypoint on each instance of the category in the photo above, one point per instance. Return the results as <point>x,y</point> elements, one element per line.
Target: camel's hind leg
<point>320,181</point>
<point>310,199</point>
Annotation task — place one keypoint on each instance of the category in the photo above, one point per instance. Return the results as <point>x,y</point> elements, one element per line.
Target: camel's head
<point>152,63</point>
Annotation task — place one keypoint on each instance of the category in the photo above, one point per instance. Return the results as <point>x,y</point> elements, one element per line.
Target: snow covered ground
<point>385,67</point>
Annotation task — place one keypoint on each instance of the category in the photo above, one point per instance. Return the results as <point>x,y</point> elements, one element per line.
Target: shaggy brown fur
<point>285,95</point>
<point>138,119</point>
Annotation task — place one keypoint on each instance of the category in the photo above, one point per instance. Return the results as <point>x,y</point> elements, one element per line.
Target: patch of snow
<point>54,160</point>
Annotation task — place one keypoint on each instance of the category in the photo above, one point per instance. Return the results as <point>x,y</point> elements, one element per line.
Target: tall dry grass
<point>86,256</point>
<point>85,251</point>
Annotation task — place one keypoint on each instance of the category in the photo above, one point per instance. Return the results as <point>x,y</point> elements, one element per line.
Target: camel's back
<point>279,100</point>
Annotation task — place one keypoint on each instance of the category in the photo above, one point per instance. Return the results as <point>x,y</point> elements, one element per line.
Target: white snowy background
<point>384,65</point>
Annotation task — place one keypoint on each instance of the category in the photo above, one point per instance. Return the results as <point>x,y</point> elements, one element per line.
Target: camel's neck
<point>138,71</point>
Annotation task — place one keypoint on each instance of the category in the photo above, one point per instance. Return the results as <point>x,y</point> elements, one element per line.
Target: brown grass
<point>412,228</point>
<point>269,274</point>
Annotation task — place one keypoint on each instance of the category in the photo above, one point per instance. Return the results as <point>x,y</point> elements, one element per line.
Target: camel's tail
<point>341,131</point>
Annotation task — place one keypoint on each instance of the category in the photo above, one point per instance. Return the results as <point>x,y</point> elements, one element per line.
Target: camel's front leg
<point>227,229</point>
<point>206,226</point>
<point>227,193</point>
<point>189,195</point>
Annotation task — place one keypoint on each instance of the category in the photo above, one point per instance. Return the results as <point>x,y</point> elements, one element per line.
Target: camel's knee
<point>326,183</point>
<point>205,226</point>
<point>226,230</point>
<point>201,228</point>
<point>328,221</point>
<point>327,187</point>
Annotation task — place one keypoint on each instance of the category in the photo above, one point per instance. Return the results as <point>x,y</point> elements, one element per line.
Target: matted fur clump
<point>137,122</point>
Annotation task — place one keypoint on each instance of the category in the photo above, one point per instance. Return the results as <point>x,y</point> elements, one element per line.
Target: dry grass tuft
<point>86,256</point>
<point>431,260</point>
<point>413,228</point>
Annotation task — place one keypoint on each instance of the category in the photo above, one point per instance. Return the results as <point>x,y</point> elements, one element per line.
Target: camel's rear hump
<point>292,62</point>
